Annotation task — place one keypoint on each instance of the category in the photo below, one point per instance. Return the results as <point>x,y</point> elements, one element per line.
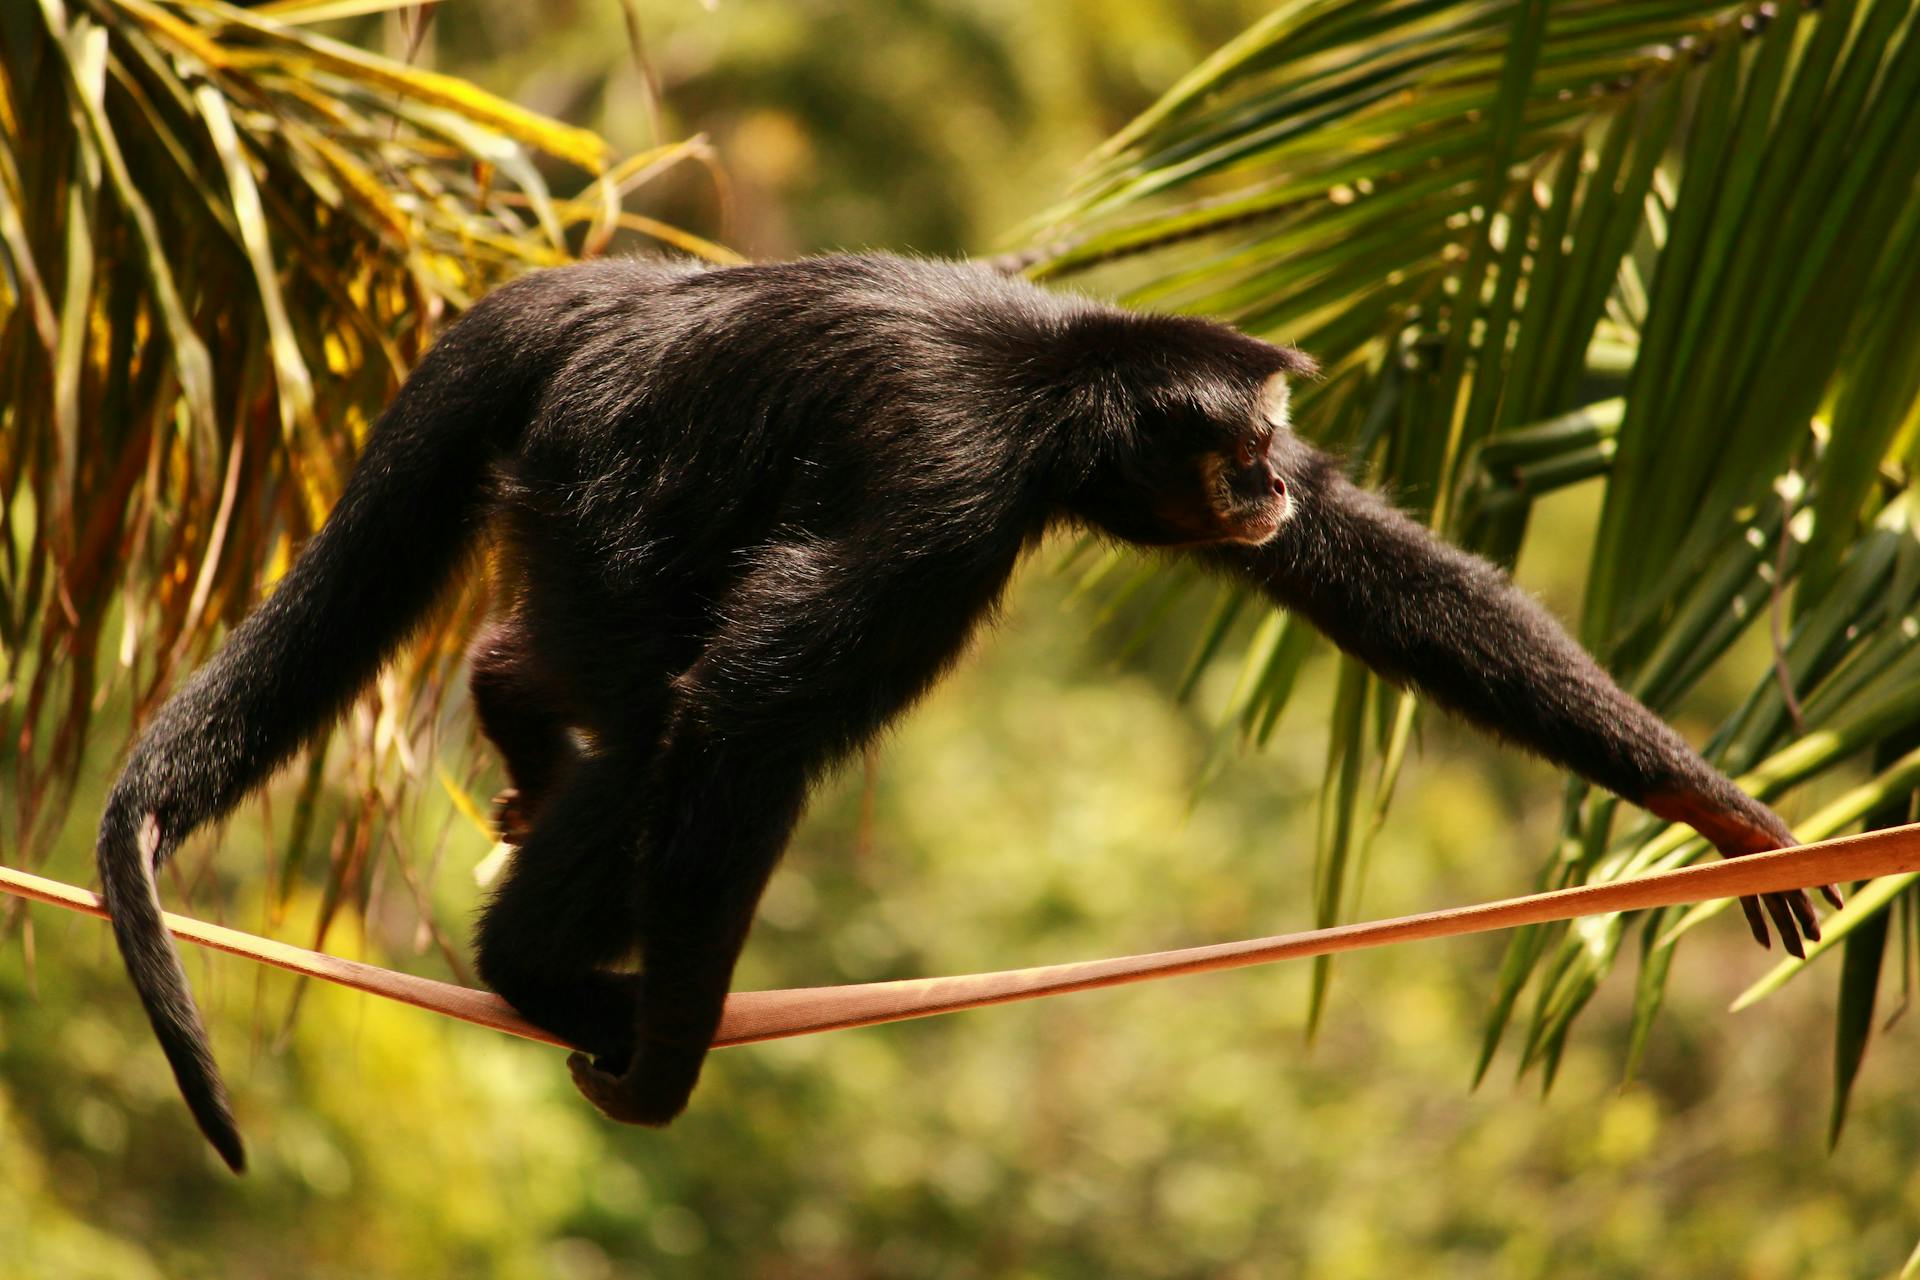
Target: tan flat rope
<point>770,1015</point>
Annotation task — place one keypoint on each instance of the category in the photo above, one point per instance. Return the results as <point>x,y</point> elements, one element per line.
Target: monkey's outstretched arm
<point>1454,627</point>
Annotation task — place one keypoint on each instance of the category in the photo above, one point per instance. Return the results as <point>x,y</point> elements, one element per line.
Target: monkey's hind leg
<point>564,911</point>
<point>724,813</point>
<point>524,709</point>
<point>820,650</point>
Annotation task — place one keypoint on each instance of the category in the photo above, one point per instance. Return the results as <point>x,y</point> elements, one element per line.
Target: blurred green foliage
<point>1042,806</point>
<point>930,125</point>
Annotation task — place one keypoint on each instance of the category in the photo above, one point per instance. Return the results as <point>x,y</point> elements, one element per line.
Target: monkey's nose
<point>1279,487</point>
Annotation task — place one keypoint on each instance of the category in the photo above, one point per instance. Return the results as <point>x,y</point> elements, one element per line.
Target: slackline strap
<point>770,1015</point>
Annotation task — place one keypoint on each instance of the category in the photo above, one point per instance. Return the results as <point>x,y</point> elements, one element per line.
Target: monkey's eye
<point>1253,448</point>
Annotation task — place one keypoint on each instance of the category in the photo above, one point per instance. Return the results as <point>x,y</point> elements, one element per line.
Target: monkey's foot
<point>651,1091</point>
<point>512,817</point>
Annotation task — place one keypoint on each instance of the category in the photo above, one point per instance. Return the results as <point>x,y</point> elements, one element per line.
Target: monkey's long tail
<point>397,536</point>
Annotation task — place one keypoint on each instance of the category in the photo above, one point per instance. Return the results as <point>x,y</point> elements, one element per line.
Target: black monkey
<point>750,514</point>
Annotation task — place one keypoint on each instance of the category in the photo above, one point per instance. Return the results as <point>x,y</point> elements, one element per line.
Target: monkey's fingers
<point>1783,921</point>
<point>1756,922</point>
<point>1832,895</point>
<point>1802,908</point>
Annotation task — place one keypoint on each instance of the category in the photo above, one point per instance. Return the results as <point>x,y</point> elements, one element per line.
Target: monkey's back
<point>691,415</point>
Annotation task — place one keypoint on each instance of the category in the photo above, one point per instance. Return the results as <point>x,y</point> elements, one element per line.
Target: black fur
<point>751,514</point>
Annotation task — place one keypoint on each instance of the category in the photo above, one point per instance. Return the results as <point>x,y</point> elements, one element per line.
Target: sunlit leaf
<point>223,240</point>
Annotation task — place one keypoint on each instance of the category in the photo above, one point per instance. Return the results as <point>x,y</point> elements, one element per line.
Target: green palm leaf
<point>1669,248</point>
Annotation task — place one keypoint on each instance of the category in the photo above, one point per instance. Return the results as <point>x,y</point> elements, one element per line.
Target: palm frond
<point>223,240</point>
<point>1667,247</point>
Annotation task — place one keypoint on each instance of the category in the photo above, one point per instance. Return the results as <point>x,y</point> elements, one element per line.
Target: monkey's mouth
<point>1249,518</point>
<point>1258,523</point>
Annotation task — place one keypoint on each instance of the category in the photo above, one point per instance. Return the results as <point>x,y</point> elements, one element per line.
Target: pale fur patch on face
<point>1275,397</point>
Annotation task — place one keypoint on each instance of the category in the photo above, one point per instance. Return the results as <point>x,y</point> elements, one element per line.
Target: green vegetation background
<point>1041,806</point>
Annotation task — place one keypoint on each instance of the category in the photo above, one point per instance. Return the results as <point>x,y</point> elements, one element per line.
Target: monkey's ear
<point>1275,395</point>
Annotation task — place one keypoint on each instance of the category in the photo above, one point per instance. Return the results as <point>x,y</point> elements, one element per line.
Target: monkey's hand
<point>1737,824</point>
<point>652,1088</point>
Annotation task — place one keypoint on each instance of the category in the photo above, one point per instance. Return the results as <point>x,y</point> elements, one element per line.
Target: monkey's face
<point>1246,493</point>
<point>1189,433</point>
<point>1219,479</point>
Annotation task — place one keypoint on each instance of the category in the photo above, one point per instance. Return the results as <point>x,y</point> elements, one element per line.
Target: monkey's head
<point>1192,444</point>
<point>1245,493</point>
